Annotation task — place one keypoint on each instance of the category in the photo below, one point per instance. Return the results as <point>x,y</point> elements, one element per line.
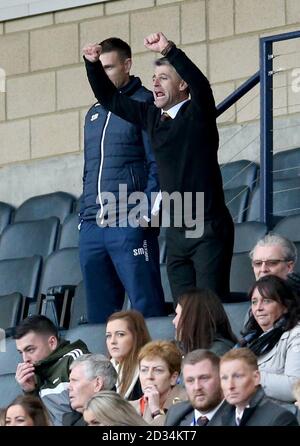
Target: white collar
<point>172,112</point>
<point>209,415</point>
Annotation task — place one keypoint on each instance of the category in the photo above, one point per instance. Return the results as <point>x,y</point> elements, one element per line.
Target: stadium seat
<point>289,227</point>
<point>286,199</point>
<point>161,327</point>
<point>286,164</point>
<point>92,334</point>
<point>9,359</point>
<point>236,200</point>
<point>6,211</point>
<point>78,312</point>
<point>11,309</point>
<point>69,236</point>
<point>239,173</point>
<point>237,313</point>
<point>246,235</point>
<point>241,273</point>
<point>9,389</point>
<point>29,238</point>
<point>56,204</point>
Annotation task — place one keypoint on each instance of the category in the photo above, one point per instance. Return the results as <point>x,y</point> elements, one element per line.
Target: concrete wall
<point>47,94</point>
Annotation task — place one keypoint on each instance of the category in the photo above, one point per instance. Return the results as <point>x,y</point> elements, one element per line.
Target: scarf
<point>263,343</point>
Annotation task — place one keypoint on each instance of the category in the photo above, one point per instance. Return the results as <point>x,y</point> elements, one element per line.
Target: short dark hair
<point>118,45</point>
<point>38,324</point>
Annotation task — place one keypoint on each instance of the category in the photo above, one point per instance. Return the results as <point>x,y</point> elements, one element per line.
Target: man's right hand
<point>25,376</point>
<point>92,51</point>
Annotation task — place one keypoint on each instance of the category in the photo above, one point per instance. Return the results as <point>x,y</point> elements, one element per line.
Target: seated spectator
<point>201,322</point>
<point>46,363</point>
<point>273,334</point>
<point>160,363</point>
<point>27,410</point>
<point>276,255</point>
<point>108,408</point>
<point>200,369</point>
<point>248,404</point>
<point>126,333</point>
<point>90,374</point>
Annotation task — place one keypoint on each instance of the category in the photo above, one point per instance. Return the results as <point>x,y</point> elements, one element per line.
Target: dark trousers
<point>117,259</point>
<point>203,262</point>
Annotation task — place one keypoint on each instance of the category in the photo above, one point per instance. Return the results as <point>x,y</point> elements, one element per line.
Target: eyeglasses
<point>269,263</point>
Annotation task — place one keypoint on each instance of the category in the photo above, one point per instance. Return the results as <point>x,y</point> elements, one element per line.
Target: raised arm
<point>107,94</point>
<point>198,84</point>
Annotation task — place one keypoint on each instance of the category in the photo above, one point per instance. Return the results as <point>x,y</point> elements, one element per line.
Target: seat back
<point>56,204</point>
<point>239,173</point>
<point>78,313</point>
<point>161,327</point>
<point>61,268</point>
<point>29,238</point>
<point>9,359</point>
<point>289,227</point>
<point>6,211</point>
<point>241,273</point>
<point>9,389</point>
<point>10,310</point>
<point>236,200</point>
<point>92,334</point>
<point>286,164</point>
<point>69,236</point>
<point>246,235</point>
<point>20,275</point>
<point>237,313</point>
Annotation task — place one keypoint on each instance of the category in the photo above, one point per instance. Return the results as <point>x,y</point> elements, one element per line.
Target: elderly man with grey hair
<point>276,255</point>
<point>89,374</point>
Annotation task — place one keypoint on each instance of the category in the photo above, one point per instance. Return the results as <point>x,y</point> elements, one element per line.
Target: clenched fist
<point>156,42</point>
<point>92,51</point>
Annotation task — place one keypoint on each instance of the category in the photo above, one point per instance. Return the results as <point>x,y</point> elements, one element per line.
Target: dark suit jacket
<point>182,414</point>
<point>261,412</point>
<point>73,419</point>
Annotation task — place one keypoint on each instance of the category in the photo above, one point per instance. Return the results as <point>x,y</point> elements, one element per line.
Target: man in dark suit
<point>248,404</point>
<point>200,369</point>
<point>183,133</point>
<point>89,374</point>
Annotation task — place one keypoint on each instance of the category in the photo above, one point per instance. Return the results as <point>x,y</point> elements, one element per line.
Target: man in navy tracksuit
<point>114,255</point>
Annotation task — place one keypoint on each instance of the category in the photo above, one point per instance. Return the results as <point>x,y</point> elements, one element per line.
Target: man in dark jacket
<point>247,402</point>
<point>46,363</point>
<point>185,142</point>
<point>116,252</point>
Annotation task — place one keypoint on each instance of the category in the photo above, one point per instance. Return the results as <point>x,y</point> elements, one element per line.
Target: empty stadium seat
<point>9,389</point>
<point>239,173</point>
<point>78,312</point>
<point>20,275</point>
<point>92,334</point>
<point>289,227</point>
<point>9,358</point>
<point>6,211</point>
<point>57,204</point>
<point>236,200</point>
<point>161,327</point>
<point>286,199</point>
<point>11,309</point>
<point>286,164</point>
<point>246,235</point>
<point>29,238</point>
<point>69,236</point>
<point>241,273</point>
<point>237,313</point>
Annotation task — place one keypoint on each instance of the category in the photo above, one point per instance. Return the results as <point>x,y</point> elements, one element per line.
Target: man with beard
<point>200,370</point>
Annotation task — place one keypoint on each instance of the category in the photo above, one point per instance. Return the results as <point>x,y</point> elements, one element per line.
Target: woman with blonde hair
<point>160,364</point>
<point>27,410</point>
<point>108,408</point>
<point>126,333</point>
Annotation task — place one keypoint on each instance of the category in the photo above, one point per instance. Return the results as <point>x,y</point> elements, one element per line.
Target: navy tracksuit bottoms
<point>117,259</point>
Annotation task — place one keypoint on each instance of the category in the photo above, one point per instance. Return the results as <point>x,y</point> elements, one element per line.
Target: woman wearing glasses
<point>273,334</point>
